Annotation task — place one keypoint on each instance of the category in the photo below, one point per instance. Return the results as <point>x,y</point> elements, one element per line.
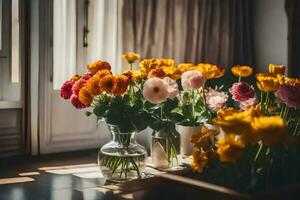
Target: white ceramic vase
<point>186,147</point>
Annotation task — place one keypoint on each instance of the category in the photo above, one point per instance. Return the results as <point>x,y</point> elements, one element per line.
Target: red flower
<point>88,76</point>
<point>66,89</point>
<point>241,91</point>
<point>76,103</point>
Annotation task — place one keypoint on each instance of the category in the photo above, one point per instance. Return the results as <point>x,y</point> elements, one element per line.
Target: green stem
<point>295,130</point>
<point>267,102</point>
<point>258,152</point>
<point>286,111</point>
<point>240,78</point>
<point>193,105</point>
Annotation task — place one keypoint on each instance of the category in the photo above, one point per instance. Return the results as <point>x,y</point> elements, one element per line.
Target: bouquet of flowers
<point>258,140</point>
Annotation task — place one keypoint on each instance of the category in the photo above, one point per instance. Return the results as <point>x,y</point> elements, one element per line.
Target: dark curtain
<point>293,12</point>
<point>212,31</point>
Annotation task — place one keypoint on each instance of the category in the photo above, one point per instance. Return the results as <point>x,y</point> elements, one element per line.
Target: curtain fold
<point>104,33</point>
<point>213,31</point>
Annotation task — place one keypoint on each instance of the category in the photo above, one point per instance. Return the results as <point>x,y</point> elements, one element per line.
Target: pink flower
<point>172,87</point>
<point>289,94</point>
<point>76,103</point>
<point>155,90</point>
<point>192,80</point>
<point>215,99</point>
<point>66,89</point>
<point>78,85</point>
<point>244,105</point>
<point>241,91</point>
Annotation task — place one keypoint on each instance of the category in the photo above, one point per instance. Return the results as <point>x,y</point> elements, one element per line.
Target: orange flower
<point>241,71</point>
<point>98,65</point>
<point>75,77</point>
<point>211,71</point>
<point>85,97</point>
<point>130,57</point>
<point>92,86</point>
<point>159,73</point>
<point>120,85</point>
<point>103,73</point>
<point>107,84</point>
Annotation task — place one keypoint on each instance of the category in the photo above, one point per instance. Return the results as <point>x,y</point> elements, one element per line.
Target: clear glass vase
<point>122,158</point>
<point>165,148</point>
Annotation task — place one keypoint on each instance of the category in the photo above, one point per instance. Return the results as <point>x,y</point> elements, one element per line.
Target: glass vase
<point>165,148</point>
<point>122,158</point>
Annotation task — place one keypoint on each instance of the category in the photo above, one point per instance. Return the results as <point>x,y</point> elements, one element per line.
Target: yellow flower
<point>130,57</point>
<point>98,65</point>
<point>241,71</point>
<point>159,73</point>
<point>148,64</point>
<point>85,97</point>
<point>289,80</point>
<point>276,69</point>
<point>92,86</point>
<point>272,130</point>
<point>120,85</point>
<point>169,71</point>
<point>230,148</point>
<point>199,161</point>
<point>107,84</point>
<point>133,75</point>
<point>202,139</point>
<point>236,122</point>
<point>267,83</point>
<point>181,68</point>
<point>75,77</point>
<point>211,71</point>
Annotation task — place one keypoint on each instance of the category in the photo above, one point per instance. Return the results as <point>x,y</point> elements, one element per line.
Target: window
<point>0,24</point>
<point>10,83</point>
<point>83,31</point>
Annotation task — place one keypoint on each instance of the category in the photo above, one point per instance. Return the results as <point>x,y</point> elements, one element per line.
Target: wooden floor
<point>76,176</point>
<point>56,177</point>
<point>71,176</point>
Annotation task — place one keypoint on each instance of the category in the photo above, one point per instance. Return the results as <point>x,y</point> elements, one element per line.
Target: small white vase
<point>222,133</point>
<point>186,132</point>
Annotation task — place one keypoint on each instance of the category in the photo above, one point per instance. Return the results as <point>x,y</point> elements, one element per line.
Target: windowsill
<point>10,104</point>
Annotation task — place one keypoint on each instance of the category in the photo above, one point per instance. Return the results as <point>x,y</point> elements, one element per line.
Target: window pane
<point>0,24</point>
<point>64,41</point>
<point>15,42</point>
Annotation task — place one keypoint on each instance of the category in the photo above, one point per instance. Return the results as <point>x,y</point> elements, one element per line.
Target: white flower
<point>172,87</point>
<point>192,80</point>
<point>155,90</point>
<point>215,99</point>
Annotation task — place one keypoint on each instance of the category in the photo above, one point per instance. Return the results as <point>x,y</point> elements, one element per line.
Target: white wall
<point>270,33</point>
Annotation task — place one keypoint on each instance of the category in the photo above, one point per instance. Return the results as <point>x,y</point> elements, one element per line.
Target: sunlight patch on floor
<point>29,173</point>
<point>67,166</point>
<point>4,181</point>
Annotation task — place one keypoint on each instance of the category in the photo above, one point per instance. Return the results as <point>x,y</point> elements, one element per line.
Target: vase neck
<point>124,139</point>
